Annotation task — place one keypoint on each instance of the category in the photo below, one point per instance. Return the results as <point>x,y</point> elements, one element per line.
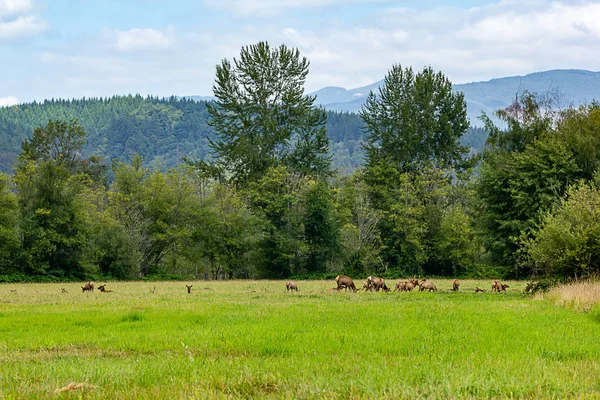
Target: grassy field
<point>250,339</point>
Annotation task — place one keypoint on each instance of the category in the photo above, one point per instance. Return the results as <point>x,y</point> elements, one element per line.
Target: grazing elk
<point>455,285</point>
<point>345,282</point>
<point>102,288</point>
<point>291,286</point>
<point>89,286</point>
<point>377,283</point>
<point>497,286</point>
<point>189,288</point>
<point>478,290</point>
<point>425,285</point>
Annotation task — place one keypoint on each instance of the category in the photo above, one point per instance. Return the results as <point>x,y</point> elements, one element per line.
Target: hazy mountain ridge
<point>575,87</point>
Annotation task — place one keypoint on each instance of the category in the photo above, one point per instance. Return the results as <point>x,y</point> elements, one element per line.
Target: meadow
<point>251,339</point>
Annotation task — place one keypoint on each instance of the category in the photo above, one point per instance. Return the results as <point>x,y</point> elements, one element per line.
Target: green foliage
<point>54,225</point>
<point>528,167</point>
<point>9,220</point>
<point>414,120</point>
<point>321,231</point>
<point>262,116</point>
<point>567,241</point>
<point>57,141</point>
<point>277,199</point>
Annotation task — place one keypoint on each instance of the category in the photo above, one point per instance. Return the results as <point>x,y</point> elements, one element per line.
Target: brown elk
<point>425,285</point>
<point>478,290</point>
<point>377,283</point>
<point>89,286</point>
<point>291,286</point>
<point>410,285</point>
<point>455,285</point>
<point>189,288</point>
<point>400,286</point>
<point>497,286</point>
<point>102,288</point>
<point>62,290</point>
<point>345,282</point>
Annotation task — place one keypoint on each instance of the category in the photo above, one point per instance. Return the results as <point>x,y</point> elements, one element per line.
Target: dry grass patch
<point>581,296</point>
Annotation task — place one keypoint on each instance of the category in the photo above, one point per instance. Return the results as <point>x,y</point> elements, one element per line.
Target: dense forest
<point>162,131</point>
<point>124,188</point>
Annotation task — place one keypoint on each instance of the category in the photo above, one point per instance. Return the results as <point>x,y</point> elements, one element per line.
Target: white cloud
<point>8,101</point>
<point>498,39</point>
<point>144,39</point>
<point>21,27</point>
<point>274,7</point>
<point>14,7</point>
<point>18,19</point>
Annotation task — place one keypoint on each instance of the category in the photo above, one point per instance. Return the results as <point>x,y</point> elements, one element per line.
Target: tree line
<point>267,202</point>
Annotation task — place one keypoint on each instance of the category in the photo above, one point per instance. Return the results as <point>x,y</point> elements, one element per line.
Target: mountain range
<point>574,86</point>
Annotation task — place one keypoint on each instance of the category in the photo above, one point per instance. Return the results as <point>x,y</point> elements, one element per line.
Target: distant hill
<point>575,86</point>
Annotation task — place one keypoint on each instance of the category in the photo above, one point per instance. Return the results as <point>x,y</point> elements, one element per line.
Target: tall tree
<point>414,120</point>
<point>9,217</point>
<point>262,116</point>
<point>58,141</point>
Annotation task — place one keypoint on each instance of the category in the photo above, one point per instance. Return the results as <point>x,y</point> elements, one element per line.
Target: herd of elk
<point>377,283</point>
<point>372,284</point>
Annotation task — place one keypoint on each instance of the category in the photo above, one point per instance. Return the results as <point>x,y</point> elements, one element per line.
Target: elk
<point>499,287</point>
<point>455,285</point>
<point>102,288</point>
<point>345,282</point>
<point>377,283</point>
<point>478,290</point>
<point>400,286</point>
<point>291,286</point>
<point>189,288</point>
<point>496,286</point>
<point>410,285</point>
<point>89,286</point>
<point>62,290</point>
<point>424,285</point>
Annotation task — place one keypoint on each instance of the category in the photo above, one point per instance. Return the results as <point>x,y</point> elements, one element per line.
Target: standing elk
<point>189,288</point>
<point>425,285</point>
<point>88,287</point>
<point>345,282</point>
<point>291,286</point>
<point>455,285</point>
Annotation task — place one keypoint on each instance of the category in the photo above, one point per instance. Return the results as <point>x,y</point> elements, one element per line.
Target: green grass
<point>250,339</point>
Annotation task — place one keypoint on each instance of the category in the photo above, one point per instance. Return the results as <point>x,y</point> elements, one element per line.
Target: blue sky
<point>76,48</point>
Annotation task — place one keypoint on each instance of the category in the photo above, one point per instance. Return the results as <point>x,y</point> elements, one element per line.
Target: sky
<point>77,48</point>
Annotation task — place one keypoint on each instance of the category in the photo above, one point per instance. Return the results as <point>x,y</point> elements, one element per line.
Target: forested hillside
<point>161,131</point>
